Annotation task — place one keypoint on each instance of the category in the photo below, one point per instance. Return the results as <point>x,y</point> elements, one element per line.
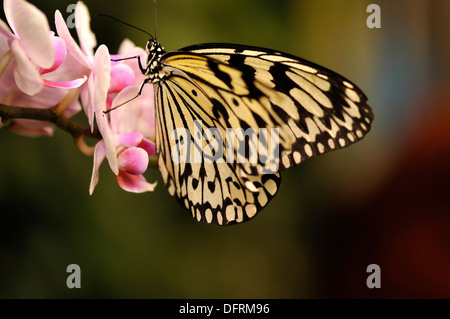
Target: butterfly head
<point>154,52</point>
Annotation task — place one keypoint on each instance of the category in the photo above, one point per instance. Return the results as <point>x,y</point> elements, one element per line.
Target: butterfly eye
<point>150,46</point>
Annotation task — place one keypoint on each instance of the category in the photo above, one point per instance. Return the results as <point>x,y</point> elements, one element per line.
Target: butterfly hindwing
<point>214,191</point>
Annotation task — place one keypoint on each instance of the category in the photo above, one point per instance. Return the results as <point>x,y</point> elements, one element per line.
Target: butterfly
<point>205,92</point>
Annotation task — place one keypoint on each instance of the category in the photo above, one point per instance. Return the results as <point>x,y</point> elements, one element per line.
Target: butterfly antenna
<point>154,2</point>
<point>123,22</point>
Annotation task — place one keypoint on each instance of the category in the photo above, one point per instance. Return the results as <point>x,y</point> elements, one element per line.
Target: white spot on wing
<point>239,214</point>
<point>297,157</point>
<point>271,187</point>
<point>352,95</point>
<point>262,198</point>
<point>359,133</point>
<point>277,58</point>
<point>285,160</point>
<point>208,215</point>
<point>320,147</point>
<point>220,218</point>
<point>347,84</point>
<point>250,186</point>
<point>331,143</point>
<point>350,137</point>
<point>308,150</point>
<point>363,126</point>
<point>229,213</point>
<point>252,53</point>
<point>250,210</point>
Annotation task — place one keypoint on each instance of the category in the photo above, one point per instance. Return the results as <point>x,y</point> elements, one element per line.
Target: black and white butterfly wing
<point>221,86</point>
<point>213,190</point>
<point>319,109</point>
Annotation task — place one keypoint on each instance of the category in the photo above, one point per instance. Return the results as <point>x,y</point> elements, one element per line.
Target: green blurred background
<point>385,200</point>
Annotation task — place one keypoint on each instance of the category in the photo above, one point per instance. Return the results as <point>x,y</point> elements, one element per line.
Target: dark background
<point>384,200</point>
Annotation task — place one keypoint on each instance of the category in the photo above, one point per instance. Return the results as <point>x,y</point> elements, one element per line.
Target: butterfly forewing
<point>319,109</point>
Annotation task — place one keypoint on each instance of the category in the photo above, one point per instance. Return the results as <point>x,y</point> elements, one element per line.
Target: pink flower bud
<point>133,160</point>
<point>60,50</point>
<point>122,76</point>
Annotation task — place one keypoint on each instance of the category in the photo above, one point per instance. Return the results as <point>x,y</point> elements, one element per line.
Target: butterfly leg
<point>143,70</point>
<point>149,79</point>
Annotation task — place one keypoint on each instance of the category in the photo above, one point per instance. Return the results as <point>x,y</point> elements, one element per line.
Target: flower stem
<point>8,112</point>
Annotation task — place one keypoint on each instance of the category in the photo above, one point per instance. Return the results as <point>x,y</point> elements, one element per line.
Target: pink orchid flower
<point>125,142</point>
<point>30,58</point>
<point>129,123</point>
<point>98,69</point>
<point>132,124</point>
<point>33,47</point>
<point>45,63</point>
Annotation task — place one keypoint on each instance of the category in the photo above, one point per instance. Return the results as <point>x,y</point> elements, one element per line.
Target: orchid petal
<point>99,156</point>
<point>134,183</point>
<point>109,140</point>
<point>122,76</point>
<point>5,30</point>
<point>146,119</point>
<point>31,26</point>
<point>66,85</point>
<point>86,97</point>
<point>138,114</point>
<point>102,71</point>
<point>123,119</point>
<point>82,23</point>
<point>129,139</point>
<point>31,128</point>
<point>26,76</point>
<point>7,10</point>
<point>72,46</point>
<point>98,93</point>
<point>148,146</point>
<point>60,50</point>
<point>133,160</point>
<point>4,61</point>
<point>126,46</point>
<point>126,49</point>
